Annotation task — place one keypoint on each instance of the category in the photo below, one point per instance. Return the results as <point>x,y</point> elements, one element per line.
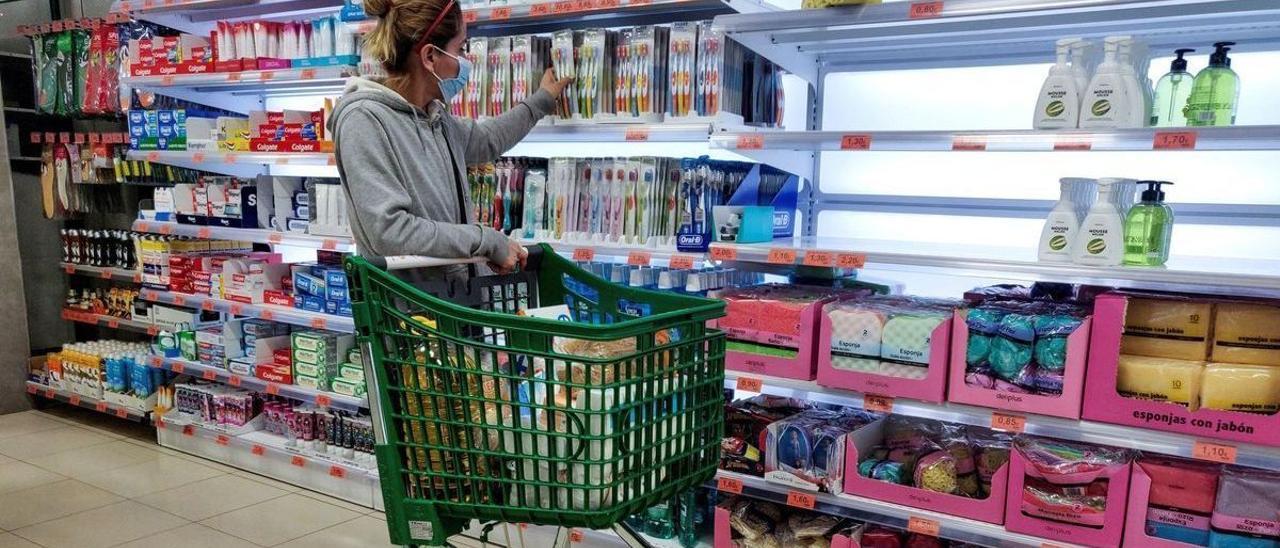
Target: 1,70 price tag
<point>1174,140</point>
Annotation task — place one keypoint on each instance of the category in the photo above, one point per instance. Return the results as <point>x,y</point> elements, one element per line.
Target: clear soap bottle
<point>1215,95</point>
<point>1172,92</point>
<point>1148,228</point>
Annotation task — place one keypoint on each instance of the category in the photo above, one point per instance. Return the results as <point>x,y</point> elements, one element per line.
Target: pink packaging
<point>990,510</point>
<point>840,541</point>
<point>930,388</point>
<point>1105,404</point>
<point>1111,520</point>
<point>753,317</point>
<point>1065,405</point>
<point>723,532</point>
<point>1135,528</point>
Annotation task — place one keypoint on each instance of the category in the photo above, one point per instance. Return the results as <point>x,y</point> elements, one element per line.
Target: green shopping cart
<point>490,406</point>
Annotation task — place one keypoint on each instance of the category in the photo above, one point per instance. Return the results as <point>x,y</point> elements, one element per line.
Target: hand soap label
<point>1059,106</point>
<point>1098,244</point>
<point>1101,106</point>
<point>1057,238</point>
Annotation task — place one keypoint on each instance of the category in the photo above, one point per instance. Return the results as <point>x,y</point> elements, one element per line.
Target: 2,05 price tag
<point>1174,140</point>
<point>1215,452</point>
<point>923,526</point>
<point>729,485</point>
<point>1008,423</point>
<point>801,500</point>
<point>749,384</point>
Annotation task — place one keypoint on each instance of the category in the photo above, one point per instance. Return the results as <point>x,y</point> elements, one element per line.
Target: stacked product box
<point>260,339</point>
<point>169,129</point>
<point>321,287</point>
<point>156,252</point>
<point>350,378</point>
<point>279,369</point>
<point>317,356</point>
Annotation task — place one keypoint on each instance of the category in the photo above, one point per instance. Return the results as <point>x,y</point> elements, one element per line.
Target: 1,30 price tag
<point>879,404</point>
<point>1215,452</point>
<point>1008,423</point>
<point>681,262</point>
<point>584,254</point>
<point>749,384</point>
<point>781,255</point>
<point>855,142</point>
<point>923,526</point>
<point>724,253</point>
<point>819,258</point>
<point>639,258</point>
<point>1174,140</point>
<point>800,499</point>
<point>729,485</point>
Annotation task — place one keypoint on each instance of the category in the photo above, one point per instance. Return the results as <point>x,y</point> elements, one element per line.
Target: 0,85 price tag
<point>923,526</point>
<point>1215,452</point>
<point>781,255</point>
<point>1008,423</point>
<point>855,142</point>
<point>879,404</point>
<point>749,384</point>
<point>1174,140</point>
<point>639,258</point>
<point>584,254</point>
<point>801,500</point>
<point>729,485</point>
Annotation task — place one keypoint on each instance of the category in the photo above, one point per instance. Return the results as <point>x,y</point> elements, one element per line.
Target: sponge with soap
<point>1239,387</point>
<point>1167,329</point>
<point>1247,333</point>
<point>1159,379</point>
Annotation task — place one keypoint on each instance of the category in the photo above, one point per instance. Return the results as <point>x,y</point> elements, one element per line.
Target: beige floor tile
<point>362,532</point>
<point>151,476</point>
<point>48,442</point>
<point>280,520</point>
<point>269,482</point>
<point>93,460</point>
<point>14,541</point>
<point>210,463</point>
<point>208,498</point>
<point>52,501</point>
<point>190,536</point>
<point>6,460</point>
<point>17,475</point>
<point>335,501</point>
<point>102,527</point>
<point>26,422</point>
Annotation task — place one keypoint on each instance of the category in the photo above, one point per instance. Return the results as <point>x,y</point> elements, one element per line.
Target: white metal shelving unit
<point>282,314</point>
<point>292,391</point>
<point>116,274</point>
<point>255,235</point>
<point>110,322</point>
<point>86,402</point>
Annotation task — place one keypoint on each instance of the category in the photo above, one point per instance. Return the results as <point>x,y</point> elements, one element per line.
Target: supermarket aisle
<point>76,479</point>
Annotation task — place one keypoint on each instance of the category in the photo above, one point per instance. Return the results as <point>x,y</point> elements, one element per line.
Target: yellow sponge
<point>1159,379</point>
<point>1247,333</point>
<point>1237,387</point>
<point>1167,329</point>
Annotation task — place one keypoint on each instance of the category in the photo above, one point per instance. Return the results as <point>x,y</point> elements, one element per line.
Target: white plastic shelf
<point>255,235</point>
<point>104,273</point>
<point>888,514</point>
<point>110,322</point>
<point>274,313</point>
<point>586,250</point>
<point>1256,456</point>
<point>1237,276</point>
<point>200,158</point>
<point>87,402</point>
<point>215,374</point>
<point>312,79</point>
<point>268,455</point>
<point>1141,139</point>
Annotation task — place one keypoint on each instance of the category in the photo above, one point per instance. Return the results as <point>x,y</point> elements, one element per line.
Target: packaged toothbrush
<point>562,58</point>
<point>477,87</point>
<point>499,75</point>
<point>681,53</point>
<point>352,10</point>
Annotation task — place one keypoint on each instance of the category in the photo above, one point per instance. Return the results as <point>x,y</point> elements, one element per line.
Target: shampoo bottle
<point>1105,102</point>
<point>1101,238</point>
<point>1172,92</point>
<point>1147,228</point>
<point>1215,95</point>
<point>1063,225</point>
<point>1058,105</point>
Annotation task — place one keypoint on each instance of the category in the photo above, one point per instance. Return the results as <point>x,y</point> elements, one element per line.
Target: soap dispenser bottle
<point>1101,238</point>
<point>1063,225</point>
<point>1172,92</point>
<point>1147,228</point>
<point>1105,101</point>
<point>1058,105</point>
<point>1215,95</point>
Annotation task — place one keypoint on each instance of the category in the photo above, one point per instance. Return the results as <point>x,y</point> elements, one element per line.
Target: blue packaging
<point>333,277</point>
<point>310,303</point>
<point>1222,539</point>
<point>344,309</point>
<point>338,294</point>
<point>304,283</point>
<point>1179,533</point>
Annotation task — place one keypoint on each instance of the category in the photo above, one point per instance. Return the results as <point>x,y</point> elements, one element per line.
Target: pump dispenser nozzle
<point>1153,193</point>
<point>1219,57</point>
<point>1180,64</point>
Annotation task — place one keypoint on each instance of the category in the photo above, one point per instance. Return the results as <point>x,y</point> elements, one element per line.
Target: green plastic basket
<point>489,415</point>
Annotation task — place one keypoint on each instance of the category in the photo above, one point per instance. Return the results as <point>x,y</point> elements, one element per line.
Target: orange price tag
<point>800,499</point>
<point>79,138</point>
<point>729,485</point>
<point>575,535</point>
<point>144,227</point>
<point>606,4</point>
<point>819,258</point>
<point>49,137</point>
<point>204,232</point>
<point>282,161</point>
<point>470,16</point>
<point>113,323</point>
<point>188,430</point>
<point>157,361</point>
<point>749,384</point>
<point>637,134</point>
<point>925,10</point>
<point>639,258</point>
<point>566,6</point>
<point>855,142</point>
<point>222,440</point>
<point>267,314</point>
<point>298,461</point>
<point>137,277</point>
<point>275,238</point>
<point>319,323</point>
<point>198,157</point>
<point>323,400</point>
<point>64,137</point>
<point>233,76</point>
<point>75,399</point>
<point>851,260</point>
<point>584,254</point>
<point>1079,143</point>
<point>258,450</point>
<point>500,14</point>
<point>879,404</point>
<point>166,229</point>
<point>101,407</point>
<point>781,255</point>
<point>69,269</point>
<point>237,309</point>
<point>539,10</point>
<point>968,143</point>
<point>122,412</point>
<point>207,305</point>
<point>177,299</point>
<point>105,274</point>
<point>750,142</point>
<point>228,158</point>
<point>234,380</point>
<point>49,393</point>
<point>724,253</point>
<point>338,472</point>
<point>177,367</point>
<point>35,137</point>
<point>166,80</point>
<point>1215,452</point>
<point>922,525</point>
<point>329,244</point>
<point>1008,423</point>
<point>331,160</point>
<point>266,75</point>
<point>681,262</point>
<point>209,375</point>
<point>153,156</point>
<point>273,389</point>
<point>31,389</point>
<point>1174,140</point>
<point>153,330</point>
<point>307,74</point>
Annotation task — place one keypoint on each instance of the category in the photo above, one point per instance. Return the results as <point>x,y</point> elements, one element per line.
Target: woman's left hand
<point>554,86</point>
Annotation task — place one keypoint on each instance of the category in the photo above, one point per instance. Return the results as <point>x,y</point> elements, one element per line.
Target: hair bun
<point>378,8</point>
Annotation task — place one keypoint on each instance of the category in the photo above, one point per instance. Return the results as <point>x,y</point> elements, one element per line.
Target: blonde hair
<point>401,25</point>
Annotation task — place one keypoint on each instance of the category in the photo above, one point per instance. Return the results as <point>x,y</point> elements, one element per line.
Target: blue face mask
<point>451,87</point>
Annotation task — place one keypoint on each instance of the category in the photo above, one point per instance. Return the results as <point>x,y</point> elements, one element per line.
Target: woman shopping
<point>402,156</point>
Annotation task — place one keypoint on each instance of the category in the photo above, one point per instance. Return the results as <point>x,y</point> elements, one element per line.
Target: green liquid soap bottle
<point>1147,228</point>
<point>1172,92</point>
<point>1215,96</point>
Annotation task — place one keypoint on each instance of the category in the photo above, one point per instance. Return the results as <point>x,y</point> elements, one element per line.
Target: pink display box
<point>772,323</point>
<point>1105,404</point>
<point>1135,527</point>
<point>1065,405</point>
<point>932,387</point>
<point>841,541</point>
<point>990,510</point>
<point>1107,536</point>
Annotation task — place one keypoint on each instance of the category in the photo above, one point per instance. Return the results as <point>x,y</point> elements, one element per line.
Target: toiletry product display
<point>808,448</point>
<point>498,192</point>
<point>745,421</point>
<point>1148,227</point>
<point>100,248</point>
<point>1101,237</point>
<point>115,301</point>
<point>1176,498</point>
<point>773,329</point>
<point>1118,94</point>
<point>1058,105</point>
<point>700,282</point>
<point>1215,92</point>
<point>1247,510</point>
<point>233,46</point>
<point>78,64</point>
<point>1020,346</point>
<point>1062,228</point>
<point>741,521</point>
<point>112,371</point>
<point>1068,491</point>
<point>1168,108</point>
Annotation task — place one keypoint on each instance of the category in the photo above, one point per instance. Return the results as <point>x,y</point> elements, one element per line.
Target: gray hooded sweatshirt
<point>396,162</point>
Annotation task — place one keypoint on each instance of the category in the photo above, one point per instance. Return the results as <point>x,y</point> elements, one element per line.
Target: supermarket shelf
<point>87,402</point>
<point>613,252</point>
<point>255,235</point>
<point>920,34</point>
<point>251,82</point>
<point>21,110</point>
<point>208,373</point>
<point>282,314</point>
<point>1237,276</point>
<point>266,454</point>
<point>199,158</point>
<point>1141,439</point>
<point>103,320</point>
<point>116,274</point>
<point>25,159</point>
<point>892,515</point>
<point>543,15</point>
<point>1141,139</point>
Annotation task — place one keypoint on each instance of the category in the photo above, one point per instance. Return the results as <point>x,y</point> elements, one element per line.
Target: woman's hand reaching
<point>516,254</point>
<point>554,86</point>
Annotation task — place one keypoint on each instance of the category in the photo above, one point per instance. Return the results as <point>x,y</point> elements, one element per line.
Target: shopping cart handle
<point>402,262</point>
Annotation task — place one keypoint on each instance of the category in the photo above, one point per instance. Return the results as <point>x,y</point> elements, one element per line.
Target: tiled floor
<point>71,478</point>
